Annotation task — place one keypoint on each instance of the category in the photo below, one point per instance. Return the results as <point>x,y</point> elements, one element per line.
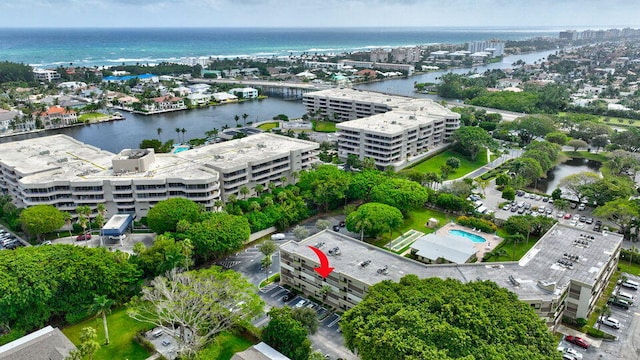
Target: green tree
<point>84,217</point>
<point>556,194</point>
<point>526,170</point>
<point>101,307</point>
<point>216,234</point>
<point>623,212</point>
<point>67,220</point>
<point>508,193</point>
<point>402,194</point>
<point>159,132</point>
<point>600,142</point>
<point>41,219</point>
<point>164,255</point>
<point>325,187</point>
<point>557,137</point>
<point>373,219</point>
<point>63,279</point>
<point>422,319</point>
<point>577,144</point>
<point>244,191</point>
<point>202,303</point>
<point>577,184</point>
<point>88,344</point>
<point>532,126</point>
<point>286,334</point>
<point>300,232</point>
<point>470,140</point>
<point>453,162</point>
<point>323,224</point>
<point>307,317</point>
<point>166,214</point>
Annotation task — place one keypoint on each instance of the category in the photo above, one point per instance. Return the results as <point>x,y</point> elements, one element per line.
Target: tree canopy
<point>202,303</point>
<point>374,219</point>
<point>402,194</point>
<point>470,140</point>
<point>445,319</point>
<point>286,334</point>
<point>40,282</point>
<point>166,214</point>
<point>216,234</point>
<point>41,219</point>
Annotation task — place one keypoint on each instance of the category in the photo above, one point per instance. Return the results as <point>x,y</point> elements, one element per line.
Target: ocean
<point>48,48</point>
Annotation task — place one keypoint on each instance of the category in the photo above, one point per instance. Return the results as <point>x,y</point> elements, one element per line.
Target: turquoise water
<point>473,237</point>
<point>180,149</point>
<point>113,46</point>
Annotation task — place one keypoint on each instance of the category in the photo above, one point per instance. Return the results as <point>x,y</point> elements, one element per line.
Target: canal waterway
<point>560,171</point>
<point>117,135</point>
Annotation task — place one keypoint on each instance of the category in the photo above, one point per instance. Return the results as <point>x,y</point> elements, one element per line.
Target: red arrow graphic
<point>323,270</point>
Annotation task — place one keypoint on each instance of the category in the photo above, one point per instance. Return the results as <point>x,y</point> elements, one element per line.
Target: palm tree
<point>178,132</point>
<point>183,130</point>
<point>244,118</point>
<point>236,118</point>
<point>101,307</point>
<point>218,204</point>
<point>84,217</point>
<point>67,220</point>
<point>244,191</point>
<point>259,188</point>
<point>159,131</point>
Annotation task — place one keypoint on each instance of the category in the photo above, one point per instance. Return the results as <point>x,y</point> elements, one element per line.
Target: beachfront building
<point>562,275</point>
<point>409,69</point>
<point>494,47</point>
<point>45,75</point>
<point>406,55</point>
<point>323,65</point>
<point>379,55</point>
<point>244,93</point>
<point>393,130</point>
<point>57,116</point>
<point>61,171</point>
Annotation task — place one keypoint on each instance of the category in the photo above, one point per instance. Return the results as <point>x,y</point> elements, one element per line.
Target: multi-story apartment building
<point>495,47</point>
<point>406,55</point>
<point>45,75</point>
<point>66,173</point>
<point>256,159</point>
<point>393,130</point>
<point>410,69</point>
<point>562,275</point>
<point>379,55</point>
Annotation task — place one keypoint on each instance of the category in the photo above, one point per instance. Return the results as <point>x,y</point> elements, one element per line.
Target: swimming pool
<point>473,237</point>
<point>179,149</point>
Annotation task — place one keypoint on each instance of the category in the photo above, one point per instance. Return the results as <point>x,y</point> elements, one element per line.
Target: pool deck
<point>481,248</point>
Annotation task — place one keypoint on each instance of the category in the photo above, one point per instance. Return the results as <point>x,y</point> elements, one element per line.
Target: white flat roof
<point>230,155</point>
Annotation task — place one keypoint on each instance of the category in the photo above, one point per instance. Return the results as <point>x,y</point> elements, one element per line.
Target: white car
<point>301,303</point>
<point>571,352</point>
<point>611,322</point>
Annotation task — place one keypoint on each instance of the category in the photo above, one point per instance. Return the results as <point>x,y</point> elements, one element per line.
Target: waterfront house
<point>57,116</point>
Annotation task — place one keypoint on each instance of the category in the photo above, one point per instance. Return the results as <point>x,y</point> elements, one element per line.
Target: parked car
<point>618,302</point>
<point>571,352</point>
<point>336,227</point>
<point>577,341</point>
<point>598,222</point>
<point>506,207</point>
<point>589,220</point>
<point>342,223</point>
<point>611,322</point>
<point>288,297</point>
<point>573,205</point>
<point>629,284</point>
<point>301,303</point>
<point>567,216</point>
<point>583,219</point>
<point>581,207</point>
<point>166,342</point>
<point>82,237</point>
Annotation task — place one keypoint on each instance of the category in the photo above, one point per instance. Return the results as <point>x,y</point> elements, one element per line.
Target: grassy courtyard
<point>93,116</point>
<point>433,164</point>
<point>416,220</point>
<point>268,126</point>
<point>224,346</point>
<point>324,126</point>
<point>122,330</point>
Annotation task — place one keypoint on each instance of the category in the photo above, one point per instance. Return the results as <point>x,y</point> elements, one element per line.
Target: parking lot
<point>627,345</point>
<point>328,339</point>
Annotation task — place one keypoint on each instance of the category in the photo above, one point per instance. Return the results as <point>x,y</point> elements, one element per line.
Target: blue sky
<point>318,13</point>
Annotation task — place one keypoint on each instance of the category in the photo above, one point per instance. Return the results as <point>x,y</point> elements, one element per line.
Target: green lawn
<point>94,116</point>
<point>416,220</point>
<point>600,157</point>
<point>433,164</point>
<point>122,329</point>
<point>268,126</point>
<point>324,126</point>
<point>613,121</point>
<point>223,348</point>
<point>511,253</point>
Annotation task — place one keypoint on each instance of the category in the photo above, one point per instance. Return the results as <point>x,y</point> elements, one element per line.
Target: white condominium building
<point>256,159</point>
<point>67,173</point>
<point>563,274</point>
<point>393,130</point>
